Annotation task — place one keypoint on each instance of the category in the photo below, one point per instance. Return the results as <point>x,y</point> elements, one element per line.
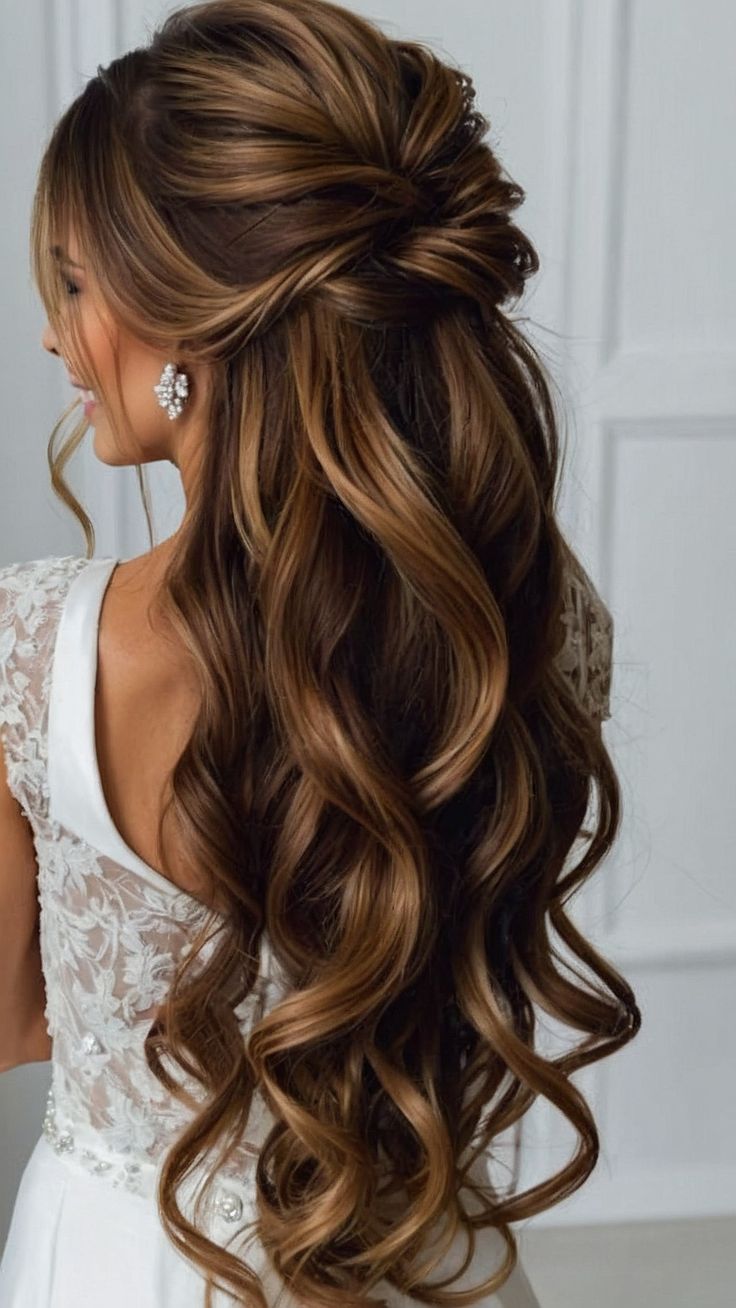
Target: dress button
<point>97,1164</point>
<point>229,1205</point>
<point>91,1044</point>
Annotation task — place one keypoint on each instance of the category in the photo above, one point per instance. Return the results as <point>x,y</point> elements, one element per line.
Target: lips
<point>89,399</point>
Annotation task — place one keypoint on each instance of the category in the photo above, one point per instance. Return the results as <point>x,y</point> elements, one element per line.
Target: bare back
<point>146,704</point>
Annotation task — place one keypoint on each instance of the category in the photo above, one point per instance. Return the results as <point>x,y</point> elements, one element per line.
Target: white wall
<point>617,119</point>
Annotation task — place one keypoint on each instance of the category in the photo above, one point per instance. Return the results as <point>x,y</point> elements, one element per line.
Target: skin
<point>156,435</point>
<point>147,693</point>
<point>146,696</point>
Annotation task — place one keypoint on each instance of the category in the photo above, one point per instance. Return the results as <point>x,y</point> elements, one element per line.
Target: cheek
<point>101,354</point>
<point>141,373</point>
<point>150,424</point>
<point>136,404</point>
<point>132,390</point>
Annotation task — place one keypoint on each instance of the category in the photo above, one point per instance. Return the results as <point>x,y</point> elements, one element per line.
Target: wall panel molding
<point>82,35</point>
<point>619,394</point>
<point>680,400</point>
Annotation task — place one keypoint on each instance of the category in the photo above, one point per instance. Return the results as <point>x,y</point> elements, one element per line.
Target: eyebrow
<point>58,253</point>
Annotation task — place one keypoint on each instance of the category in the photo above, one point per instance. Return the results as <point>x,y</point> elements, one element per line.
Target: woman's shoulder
<point>32,588</point>
<point>31,594</point>
<point>44,574</point>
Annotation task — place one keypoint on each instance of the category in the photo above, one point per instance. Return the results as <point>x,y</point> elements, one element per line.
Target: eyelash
<point>74,288</point>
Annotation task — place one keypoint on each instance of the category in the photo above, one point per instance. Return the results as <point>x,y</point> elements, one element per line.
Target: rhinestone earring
<point>172,390</point>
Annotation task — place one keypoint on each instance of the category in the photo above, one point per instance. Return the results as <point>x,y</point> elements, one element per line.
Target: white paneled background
<point>617,117</point>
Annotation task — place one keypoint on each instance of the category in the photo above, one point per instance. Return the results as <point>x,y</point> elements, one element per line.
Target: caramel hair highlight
<point>390,774</point>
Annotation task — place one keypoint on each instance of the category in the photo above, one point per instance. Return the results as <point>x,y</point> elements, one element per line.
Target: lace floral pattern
<point>109,939</point>
<point>586,656</point>
<point>31,595</point>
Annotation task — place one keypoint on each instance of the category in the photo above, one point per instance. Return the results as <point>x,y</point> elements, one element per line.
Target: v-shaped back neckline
<point>76,796</point>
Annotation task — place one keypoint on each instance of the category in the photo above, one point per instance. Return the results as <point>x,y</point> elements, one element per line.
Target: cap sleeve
<point>30,595</point>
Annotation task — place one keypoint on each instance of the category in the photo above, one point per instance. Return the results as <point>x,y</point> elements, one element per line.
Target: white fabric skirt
<point>75,1241</point>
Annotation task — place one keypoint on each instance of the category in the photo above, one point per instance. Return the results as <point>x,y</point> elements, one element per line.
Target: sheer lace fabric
<point>109,938</point>
<point>586,656</point>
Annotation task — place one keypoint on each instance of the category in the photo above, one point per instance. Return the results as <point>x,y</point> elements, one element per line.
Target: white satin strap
<point>76,797</point>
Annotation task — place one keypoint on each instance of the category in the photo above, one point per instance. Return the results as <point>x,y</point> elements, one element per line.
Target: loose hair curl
<point>389,770</point>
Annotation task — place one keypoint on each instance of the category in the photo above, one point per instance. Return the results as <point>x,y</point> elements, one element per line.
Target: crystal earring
<point>172,390</point>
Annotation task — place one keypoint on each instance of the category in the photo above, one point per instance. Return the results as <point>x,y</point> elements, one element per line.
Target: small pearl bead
<point>229,1205</point>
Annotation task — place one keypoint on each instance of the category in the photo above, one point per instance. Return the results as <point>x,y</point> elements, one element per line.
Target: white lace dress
<point>85,1231</point>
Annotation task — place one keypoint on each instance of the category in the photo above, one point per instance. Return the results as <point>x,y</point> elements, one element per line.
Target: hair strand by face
<point>389,774</point>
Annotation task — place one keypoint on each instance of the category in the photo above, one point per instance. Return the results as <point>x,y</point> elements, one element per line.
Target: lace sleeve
<point>15,648</point>
<point>586,656</point>
<point>30,594</point>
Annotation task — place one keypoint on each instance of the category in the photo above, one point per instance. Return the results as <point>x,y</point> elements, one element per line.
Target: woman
<point>291,798</point>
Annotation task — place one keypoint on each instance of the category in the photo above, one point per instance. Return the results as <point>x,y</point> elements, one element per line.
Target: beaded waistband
<point>230,1201</point>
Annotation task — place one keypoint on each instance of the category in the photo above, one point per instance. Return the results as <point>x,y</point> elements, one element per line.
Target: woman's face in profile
<point>154,435</point>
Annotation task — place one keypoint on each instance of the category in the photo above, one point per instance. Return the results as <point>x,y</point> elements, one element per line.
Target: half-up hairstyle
<point>393,763</point>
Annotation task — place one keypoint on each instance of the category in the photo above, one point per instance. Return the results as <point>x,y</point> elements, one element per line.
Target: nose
<point>48,340</point>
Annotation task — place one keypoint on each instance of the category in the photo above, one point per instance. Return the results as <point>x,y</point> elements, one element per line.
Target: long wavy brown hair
<point>390,772</point>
